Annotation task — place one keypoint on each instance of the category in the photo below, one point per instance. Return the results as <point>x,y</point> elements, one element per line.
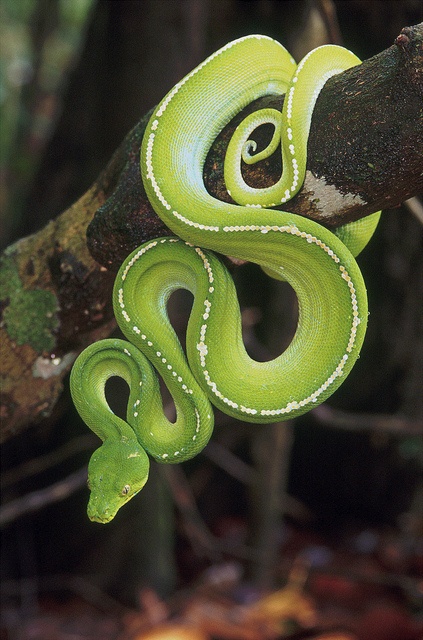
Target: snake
<point>215,370</point>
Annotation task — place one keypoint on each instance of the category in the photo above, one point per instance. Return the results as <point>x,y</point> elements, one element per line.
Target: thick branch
<point>365,153</point>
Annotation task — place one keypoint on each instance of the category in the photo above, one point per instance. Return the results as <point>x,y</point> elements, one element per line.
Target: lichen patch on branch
<point>335,202</point>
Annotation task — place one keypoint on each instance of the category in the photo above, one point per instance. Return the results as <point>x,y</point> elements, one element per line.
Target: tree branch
<point>387,424</point>
<point>364,153</point>
<point>39,499</point>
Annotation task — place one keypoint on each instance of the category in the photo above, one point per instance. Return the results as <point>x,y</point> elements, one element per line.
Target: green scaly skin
<point>319,265</point>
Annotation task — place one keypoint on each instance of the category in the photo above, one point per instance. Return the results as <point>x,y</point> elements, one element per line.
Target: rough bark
<point>365,153</point>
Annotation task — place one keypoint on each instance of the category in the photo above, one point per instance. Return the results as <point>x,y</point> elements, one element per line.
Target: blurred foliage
<point>40,43</point>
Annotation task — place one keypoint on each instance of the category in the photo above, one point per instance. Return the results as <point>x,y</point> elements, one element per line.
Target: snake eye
<point>126,489</point>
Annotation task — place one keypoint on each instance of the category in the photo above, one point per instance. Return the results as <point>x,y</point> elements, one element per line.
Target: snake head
<point>116,472</point>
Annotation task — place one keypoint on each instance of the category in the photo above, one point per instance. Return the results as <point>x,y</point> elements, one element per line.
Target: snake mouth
<point>99,518</point>
<point>103,516</point>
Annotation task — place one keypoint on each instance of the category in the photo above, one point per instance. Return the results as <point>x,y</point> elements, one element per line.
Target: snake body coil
<point>322,270</point>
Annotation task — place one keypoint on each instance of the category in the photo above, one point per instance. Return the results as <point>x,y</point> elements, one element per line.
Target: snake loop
<point>319,265</point>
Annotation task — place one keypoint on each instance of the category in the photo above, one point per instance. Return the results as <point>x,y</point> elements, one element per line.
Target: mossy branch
<point>365,153</point>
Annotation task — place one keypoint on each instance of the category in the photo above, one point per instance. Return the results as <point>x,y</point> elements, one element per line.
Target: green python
<point>216,368</point>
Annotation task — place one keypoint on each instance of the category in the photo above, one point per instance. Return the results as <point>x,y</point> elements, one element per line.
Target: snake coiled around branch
<point>216,369</point>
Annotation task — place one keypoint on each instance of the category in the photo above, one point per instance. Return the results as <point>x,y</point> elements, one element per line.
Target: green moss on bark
<point>29,317</point>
